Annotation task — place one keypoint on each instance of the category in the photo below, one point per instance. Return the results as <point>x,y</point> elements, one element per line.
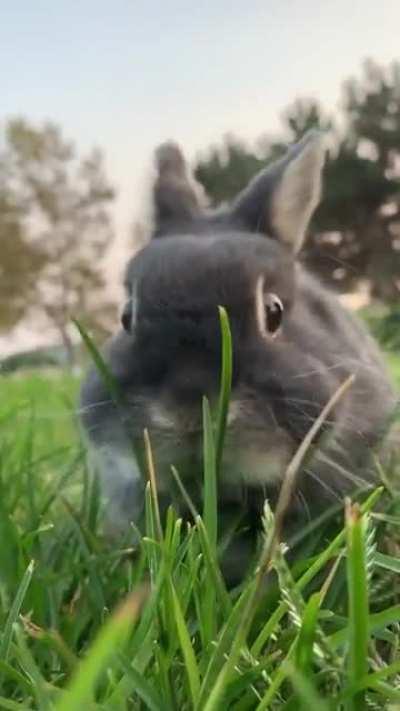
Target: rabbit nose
<point>190,386</point>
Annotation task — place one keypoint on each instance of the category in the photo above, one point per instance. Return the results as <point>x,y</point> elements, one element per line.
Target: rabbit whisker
<point>323,483</point>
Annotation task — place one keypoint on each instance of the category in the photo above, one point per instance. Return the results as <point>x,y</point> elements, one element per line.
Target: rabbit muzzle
<point>256,452</point>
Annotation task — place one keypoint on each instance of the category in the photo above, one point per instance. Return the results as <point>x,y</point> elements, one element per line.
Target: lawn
<point>90,625</point>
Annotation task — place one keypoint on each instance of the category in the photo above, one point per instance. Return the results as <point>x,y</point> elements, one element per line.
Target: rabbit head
<point>242,258</point>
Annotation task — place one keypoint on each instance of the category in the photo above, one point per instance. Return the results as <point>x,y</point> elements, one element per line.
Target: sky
<point>126,75</point>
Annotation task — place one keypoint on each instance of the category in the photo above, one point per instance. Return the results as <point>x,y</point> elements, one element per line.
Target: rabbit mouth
<point>256,453</point>
<point>255,458</point>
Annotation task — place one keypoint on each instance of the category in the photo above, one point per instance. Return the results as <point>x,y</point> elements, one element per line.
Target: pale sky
<point>128,74</point>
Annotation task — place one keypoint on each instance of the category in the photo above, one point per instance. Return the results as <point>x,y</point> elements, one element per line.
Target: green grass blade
<point>371,680</point>
<point>30,666</point>
<point>277,679</point>
<point>186,647</point>
<point>11,674</point>
<point>215,699</point>
<point>358,602</point>
<point>153,485</point>
<point>140,686</point>
<point>14,611</point>
<point>210,514</point>
<point>213,570</point>
<point>107,644</point>
<point>309,698</point>
<point>10,553</point>
<point>96,587</point>
<point>226,384</point>
<point>388,562</point>
<point>388,691</point>
<point>377,621</point>
<point>304,647</point>
<point>222,646</point>
<point>108,379</point>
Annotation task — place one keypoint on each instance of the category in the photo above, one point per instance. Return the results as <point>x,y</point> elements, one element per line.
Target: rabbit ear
<point>176,196</point>
<point>282,198</point>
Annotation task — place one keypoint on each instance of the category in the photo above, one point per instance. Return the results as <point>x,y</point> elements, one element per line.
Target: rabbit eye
<point>273,312</point>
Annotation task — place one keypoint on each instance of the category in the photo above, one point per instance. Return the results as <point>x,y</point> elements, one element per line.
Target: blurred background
<point>89,89</point>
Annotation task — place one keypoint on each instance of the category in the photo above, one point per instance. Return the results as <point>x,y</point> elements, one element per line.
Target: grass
<point>88,625</point>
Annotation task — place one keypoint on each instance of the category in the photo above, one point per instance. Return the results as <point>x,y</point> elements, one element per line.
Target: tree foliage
<point>20,263</point>
<point>55,230</point>
<point>355,234</point>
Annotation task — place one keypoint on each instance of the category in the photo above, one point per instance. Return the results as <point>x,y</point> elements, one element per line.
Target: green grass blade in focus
<point>226,384</point>
<point>358,601</point>
<point>210,510</point>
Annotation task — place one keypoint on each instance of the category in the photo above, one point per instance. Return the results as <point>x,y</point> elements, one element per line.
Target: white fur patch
<point>160,417</point>
<point>235,412</point>
<point>253,465</point>
<point>121,485</point>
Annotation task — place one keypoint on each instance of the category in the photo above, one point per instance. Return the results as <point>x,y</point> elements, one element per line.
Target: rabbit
<point>294,344</point>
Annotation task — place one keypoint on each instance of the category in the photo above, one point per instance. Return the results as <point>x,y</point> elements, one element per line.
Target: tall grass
<point>88,625</point>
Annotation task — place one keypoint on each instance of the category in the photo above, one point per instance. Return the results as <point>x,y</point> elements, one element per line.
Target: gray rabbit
<point>293,345</point>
